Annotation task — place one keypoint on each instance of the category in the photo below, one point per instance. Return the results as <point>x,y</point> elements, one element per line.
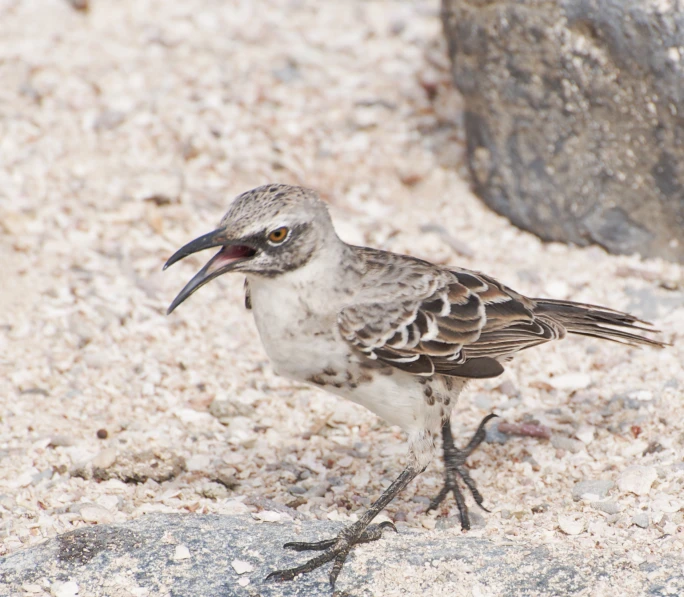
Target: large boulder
<point>574,116</point>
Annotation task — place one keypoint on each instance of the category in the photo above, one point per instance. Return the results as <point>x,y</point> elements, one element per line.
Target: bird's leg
<point>336,550</point>
<point>454,464</point>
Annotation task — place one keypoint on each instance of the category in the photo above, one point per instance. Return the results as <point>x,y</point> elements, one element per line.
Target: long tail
<point>597,322</point>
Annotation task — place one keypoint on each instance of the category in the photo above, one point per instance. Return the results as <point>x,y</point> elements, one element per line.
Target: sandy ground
<point>126,131</point>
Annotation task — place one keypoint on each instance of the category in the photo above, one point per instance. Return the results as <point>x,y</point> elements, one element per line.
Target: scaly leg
<point>454,464</point>
<point>336,550</point>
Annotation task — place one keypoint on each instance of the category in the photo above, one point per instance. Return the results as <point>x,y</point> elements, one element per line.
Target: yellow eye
<point>278,235</point>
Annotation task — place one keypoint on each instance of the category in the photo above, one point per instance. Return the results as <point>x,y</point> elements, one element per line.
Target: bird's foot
<point>454,464</point>
<point>334,550</point>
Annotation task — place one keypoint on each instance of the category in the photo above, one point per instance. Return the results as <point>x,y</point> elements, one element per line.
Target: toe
<point>437,500</point>
<point>309,546</point>
<point>281,575</point>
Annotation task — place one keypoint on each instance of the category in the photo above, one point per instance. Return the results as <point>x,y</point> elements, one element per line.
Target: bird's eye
<point>278,235</point>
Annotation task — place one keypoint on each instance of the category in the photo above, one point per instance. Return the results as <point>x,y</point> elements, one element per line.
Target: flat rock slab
<point>212,556</point>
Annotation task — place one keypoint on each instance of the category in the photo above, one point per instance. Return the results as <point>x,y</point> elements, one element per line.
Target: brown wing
<point>460,324</point>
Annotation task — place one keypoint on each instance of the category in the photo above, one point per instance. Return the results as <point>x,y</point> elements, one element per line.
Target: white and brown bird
<point>398,335</point>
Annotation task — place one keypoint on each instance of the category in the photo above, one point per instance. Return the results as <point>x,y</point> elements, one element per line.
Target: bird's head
<point>267,231</point>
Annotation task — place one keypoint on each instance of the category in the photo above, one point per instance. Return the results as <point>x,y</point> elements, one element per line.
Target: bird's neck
<point>330,269</point>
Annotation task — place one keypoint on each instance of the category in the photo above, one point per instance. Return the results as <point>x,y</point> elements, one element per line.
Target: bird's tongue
<point>228,254</point>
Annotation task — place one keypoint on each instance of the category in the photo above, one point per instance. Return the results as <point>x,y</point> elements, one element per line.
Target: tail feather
<point>597,322</point>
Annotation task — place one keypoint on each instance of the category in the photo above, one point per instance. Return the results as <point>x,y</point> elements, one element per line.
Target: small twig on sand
<point>525,429</point>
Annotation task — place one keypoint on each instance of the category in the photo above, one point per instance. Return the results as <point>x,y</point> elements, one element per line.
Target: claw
<point>281,575</point>
<point>388,525</point>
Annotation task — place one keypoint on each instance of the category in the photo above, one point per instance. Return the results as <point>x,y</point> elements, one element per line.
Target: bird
<point>396,334</point>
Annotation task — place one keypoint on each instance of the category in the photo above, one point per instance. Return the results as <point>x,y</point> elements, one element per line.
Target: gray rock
<point>573,117</point>
<point>200,555</point>
<point>609,507</point>
<point>133,467</point>
<point>598,488</point>
<point>641,520</point>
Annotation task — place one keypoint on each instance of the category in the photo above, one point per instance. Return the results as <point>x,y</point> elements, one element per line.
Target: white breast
<point>298,327</point>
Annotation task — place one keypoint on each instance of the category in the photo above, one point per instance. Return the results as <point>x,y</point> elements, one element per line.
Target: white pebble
<point>566,443</point>
<point>64,589</point>
<point>181,553</point>
<point>634,448</point>
<point>198,462</point>
<point>570,526</point>
<point>585,434</point>
<point>642,395</point>
<point>637,479</point>
<point>571,381</point>
<point>97,514</point>
<point>243,582</point>
<point>345,462</point>
<point>641,520</point>
<point>189,415</point>
<point>98,360</point>
<point>234,507</point>
<point>337,516</point>
<point>241,567</point>
<point>241,432</point>
<point>361,478</point>
<point>108,501</point>
<point>25,478</point>
<point>105,458</point>
<point>268,516</point>
<point>666,503</point>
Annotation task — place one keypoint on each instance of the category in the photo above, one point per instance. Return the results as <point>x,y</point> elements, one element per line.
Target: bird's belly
<point>398,401</point>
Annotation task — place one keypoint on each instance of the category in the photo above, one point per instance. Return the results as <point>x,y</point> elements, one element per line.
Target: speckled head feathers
<point>274,205</point>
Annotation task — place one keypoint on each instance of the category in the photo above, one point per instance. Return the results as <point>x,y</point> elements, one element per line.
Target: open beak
<point>231,252</point>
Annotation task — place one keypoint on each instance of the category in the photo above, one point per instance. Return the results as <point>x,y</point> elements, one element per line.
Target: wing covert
<point>418,334</point>
<point>461,324</point>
